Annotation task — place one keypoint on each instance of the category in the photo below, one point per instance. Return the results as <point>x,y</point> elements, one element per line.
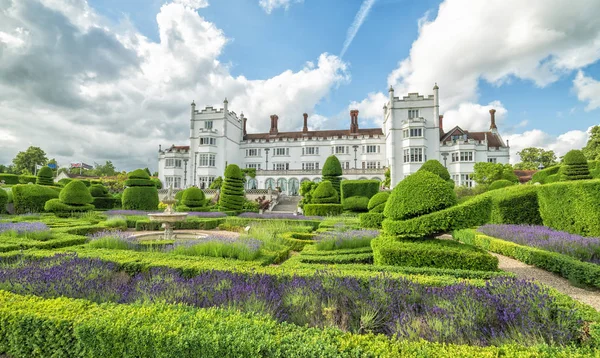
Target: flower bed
<point>336,240</point>
<point>277,216</point>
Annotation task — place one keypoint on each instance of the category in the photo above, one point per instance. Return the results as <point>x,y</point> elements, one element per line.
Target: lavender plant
<point>30,230</point>
<point>582,248</point>
<point>246,249</point>
<point>336,240</point>
<point>116,240</point>
<point>286,216</point>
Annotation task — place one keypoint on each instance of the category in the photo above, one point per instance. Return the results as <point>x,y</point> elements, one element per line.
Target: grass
<point>334,240</point>
<point>239,251</point>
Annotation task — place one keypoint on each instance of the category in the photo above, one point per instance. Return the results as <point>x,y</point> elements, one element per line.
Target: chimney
<point>244,120</point>
<point>493,119</point>
<point>274,119</point>
<point>225,105</point>
<point>354,121</point>
<point>160,148</point>
<point>305,128</point>
<point>442,122</point>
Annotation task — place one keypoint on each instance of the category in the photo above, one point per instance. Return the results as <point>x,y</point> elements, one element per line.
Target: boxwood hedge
<point>356,203</point>
<point>141,193</point>
<point>366,188</point>
<point>515,205</point>
<point>371,220</point>
<point>323,209</point>
<point>9,179</point>
<point>45,176</point>
<point>377,202</point>
<point>232,195</point>
<point>31,198</point>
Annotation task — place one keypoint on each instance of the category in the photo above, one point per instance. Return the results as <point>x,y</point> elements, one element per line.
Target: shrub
<point>419,194</point>
<point>98,191</point>
<point>542,175</point>
<point>157,183</point>
<point>371,220</point>
<point>515,205</point>
<point>9,179</point>
<point>325,193</point>
<point>474,212</point>
<point>432,253</point>
<point>332,171</point>
<point>45,176</point>
<point>232,195</point>
<point>323,209</point>
<point>26,179</point>
<point>307,189</point>
<point>141,193</point>
<point>106,203</point>
<point>377,202</point>
<point>356,204</point>
<point>575,166</point>
<point>31,198</point>
<point>499,184</point>
<point>366,188</point>
<point>193,199</point>
<point>435,167</point>
<point>64,181</point>
<point>75,197</point>
<point>571,206</point>
<point>3,200</point>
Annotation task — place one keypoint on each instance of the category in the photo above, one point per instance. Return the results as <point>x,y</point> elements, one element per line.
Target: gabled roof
<point>493,139</point>
<point>178,148</point>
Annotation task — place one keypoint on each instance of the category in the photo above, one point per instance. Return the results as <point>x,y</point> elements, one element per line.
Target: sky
<point>112,80</point>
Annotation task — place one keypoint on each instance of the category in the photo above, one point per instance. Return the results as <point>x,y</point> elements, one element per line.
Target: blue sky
<point>535,62</point>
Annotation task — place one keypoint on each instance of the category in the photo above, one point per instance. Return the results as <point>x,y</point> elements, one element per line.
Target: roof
<point>178,148</point>
<point>493,139</point>
<point>370,132</point>
<point>524,175</point>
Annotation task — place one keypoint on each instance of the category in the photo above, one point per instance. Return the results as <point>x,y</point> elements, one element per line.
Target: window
<point>373,165</point>
<point>413,113</point>
<point>310,166</point>
<point>208,125</point>
<point>372,149</point>
<point>281,166</point>
<point>282,151</point>
<point>253,165</point>
<point>466,156</point>
<point>205,182</point>
<point>454,157</point>
<point>173,181</point>
<point>492,160</point>
<point>466,180</point>
<point>206,160</point>
<point>310,151</point>
<point>347,165</point>
<point>413,155</point>
<point>173,163</point>
<point>340,149</point>
<point>412,132</point>
<point>208,141</point>
<point>253,152</point>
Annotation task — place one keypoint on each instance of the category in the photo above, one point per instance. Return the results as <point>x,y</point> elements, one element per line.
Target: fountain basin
<point>168,217</point>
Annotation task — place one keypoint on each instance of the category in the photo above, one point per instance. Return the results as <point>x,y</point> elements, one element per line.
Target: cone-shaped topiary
<point>419,194</point>
<point>502,183</point>
<point>332,172</point>
<point>575,166</point>
<point>141,193</point>
<point>325,194</point>
<point>232,194</point>
<point>377,202</point>
<point>74,197</point>
<point>45,176</point>
<point>193,199</point>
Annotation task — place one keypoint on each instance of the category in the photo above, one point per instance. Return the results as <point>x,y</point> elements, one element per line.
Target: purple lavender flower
<point>24,227</point>
<point>278,216</point>
<point>129,212</point>
<point>207,214</point>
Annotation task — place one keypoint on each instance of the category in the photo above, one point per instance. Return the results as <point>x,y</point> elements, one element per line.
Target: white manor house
<point>412,133</point>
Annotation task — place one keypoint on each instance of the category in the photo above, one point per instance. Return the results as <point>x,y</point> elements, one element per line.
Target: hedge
<point>60,240</point>
<point>571,206</point>
<point>371,220</point>
<point>377,202</point>
<point>3,200</point>
<point>474,212</point>
<point>106,203</point>
<point>366,188</point>
<point>515,205</point>
<point>193,199</point>
<point>98,191</point>
<point>138,174</point>
<point>432,253</point>
<point>9,179</point>
<point>61,209</point>
<point>435,167</point>
<point>63,327</point>
<point>45,176</point>
<point>323,209</point>
<point>542,175</point>
<point>139,182</point>
<point>31,198</point>
<point>325,193</point>
<point>355,258</point>
<point>26,179</point>
<point>356,203</point>
<point>190,224</point>
<point>575,166</point>
<point>563,265</point>
<point>499,184</point>
<point>64,181</point>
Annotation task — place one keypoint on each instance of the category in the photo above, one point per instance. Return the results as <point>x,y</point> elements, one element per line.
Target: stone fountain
<point>169,216</point>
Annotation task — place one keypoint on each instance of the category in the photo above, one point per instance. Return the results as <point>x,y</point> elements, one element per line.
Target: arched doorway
<point>270,184</point>
<point>294,186</point>
<point>282,185</point>
<point>252,184</point>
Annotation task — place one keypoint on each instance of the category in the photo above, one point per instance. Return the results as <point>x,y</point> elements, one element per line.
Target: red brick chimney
<point>493,119</point>
<point>305,128</point>
<point>274,120</point>
<point>354,121</point>
<point>244,120</point>
<point>442,122</point>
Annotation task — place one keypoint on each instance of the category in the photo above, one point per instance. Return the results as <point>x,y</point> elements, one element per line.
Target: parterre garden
<point>361,275</point>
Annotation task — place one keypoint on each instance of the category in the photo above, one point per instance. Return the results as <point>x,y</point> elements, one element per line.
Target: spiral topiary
<point>232,193</point>
<point>141,193</point>
<point>193,199</point>
<point>325,194</point>
<point>45,176</point>
<point>575,166</point>
<point>419,194</point>
<point>74,197</point>
<point>332,172</point>
<point>377,202</point>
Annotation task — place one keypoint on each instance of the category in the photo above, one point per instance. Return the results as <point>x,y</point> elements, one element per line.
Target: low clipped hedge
<point>323,209</point>
<point>432,253</point>
<point>26,179</point>
<point>106,203</point>
<point>572,269</point>
<point>60,240</point>
<point>31,198</point>
<point>542,175</point>
<point>9,179</point>
<point>3,200</point>
<point>499,184</point>
<point>474,212</point>
<point>515,205</point>
<point>366,188</point>
<point>336,259</point>
<point>74,197</point>
<point>356,203</point>
<point>371,220</point>
<point>572,206</point>
<point>189,224</point>
<point>377,202</point>
<point>61,209</point>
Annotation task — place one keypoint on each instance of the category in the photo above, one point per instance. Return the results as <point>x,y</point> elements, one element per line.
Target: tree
<point>592,148</point>
<point>388,179</point>
<point>25,162</point>
<point>487,173</point>
<point>532,157</point>
<point>148,171</point>
<point>106,170</point>
<point>55,169</point>
<point>216,184</point>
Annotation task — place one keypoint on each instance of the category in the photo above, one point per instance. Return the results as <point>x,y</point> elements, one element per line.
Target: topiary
<point>502,183</point>
<point>325,193</point>
<point>232,195</point>
<point>3,200</point>
<point>332,172</point>
<point>75,197</point>
<point>419,194</point>
<point>157,183</point>
<point>140,192</point>
<point>45,176</point>
<point>193,199</point>
<point>575,166</point>
<point>377,202</point>
<point>31,198</point>
<point>356,204</point>
<point>98,191</point>
<point>435,167</point>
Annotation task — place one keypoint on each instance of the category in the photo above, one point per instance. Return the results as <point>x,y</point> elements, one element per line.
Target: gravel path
<point>590,297</point>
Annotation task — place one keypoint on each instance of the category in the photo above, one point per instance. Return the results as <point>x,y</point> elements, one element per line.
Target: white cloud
<point>270,5</point>
<point>194,4</point>
<point>588,90</point>
<point>561,144</point>
<point>359,19</point>
<point>370,108</point>
<point>474,117</point>
<point>87,91</point>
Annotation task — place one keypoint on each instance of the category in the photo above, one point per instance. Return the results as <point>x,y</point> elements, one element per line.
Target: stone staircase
<point>286,204</point>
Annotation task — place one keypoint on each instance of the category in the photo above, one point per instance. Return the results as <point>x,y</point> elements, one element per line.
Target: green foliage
<point>487,173</point>
<point>325,194</point>
<point>499,184</point>
<point>232,194</point>
<point>138,174</point>
<point>190,223</point>
<point>30,198</point>
<point>98,191</point>
<point>515,205</point>
<point>474,212</point>
<point>64,181</point>
<point>552,178</point>
<point>572,269</point>
<point>323,209</point>
<point>592,148</point>
<point>388,178</point>
<point>542,175</point>
<point>371,220</point>
<point>532,157</point>
<point>157,183</point>
<point>217,183</point>
<point>193,199</point>
<point>3,200</point>
<point>332,172</point>
<point>307,189</point>
<point>432,253</point>
<point>140,198</point>
<point>106,202</point>
<point>575,166</point>
<point>26,179</point>
<point>139,182</point>
<point>571,206</point>
<point>435,167</point>
<point>75,193</point>
<point>61,209</point>
<point>377,202</point>
<point>9,179</point>
<point>45,176</point>
<point>356,204</point>
<point>26,161</point>
<point>366,188</point>
<point>419,194</point>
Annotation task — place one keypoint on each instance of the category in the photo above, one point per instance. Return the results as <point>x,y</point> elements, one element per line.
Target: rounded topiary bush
<point>502,183</point>
<point>75,197</point>
<point>98,191</point>
<point>325,194</point>
<point>141,193</point>
<point>419,194</point>
<point>332,172</point>
<point>232,195</point>
<point>64,181</point>
<point>3,200</point>
<point>193,199</point>
<point>575,166</point>
<point>435,167</point>
<point>45,176</point>
<point>377,202</point>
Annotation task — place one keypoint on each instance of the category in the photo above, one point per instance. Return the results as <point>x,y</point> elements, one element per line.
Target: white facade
<point>412,133</point>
